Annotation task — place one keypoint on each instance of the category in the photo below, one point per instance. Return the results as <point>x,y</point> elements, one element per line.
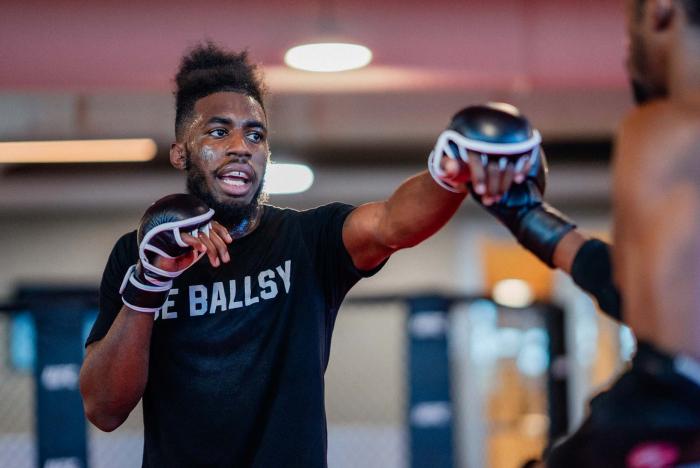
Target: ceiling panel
<point>79,45</point>
<point>104,69</point>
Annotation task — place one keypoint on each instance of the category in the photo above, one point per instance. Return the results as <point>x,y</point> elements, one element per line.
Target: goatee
<point>237,218</point>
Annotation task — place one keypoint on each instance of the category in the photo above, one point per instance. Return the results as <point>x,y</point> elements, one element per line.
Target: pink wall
<point>103,45</point>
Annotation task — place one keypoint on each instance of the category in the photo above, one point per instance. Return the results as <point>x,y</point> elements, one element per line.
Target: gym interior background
<point>501,378</point>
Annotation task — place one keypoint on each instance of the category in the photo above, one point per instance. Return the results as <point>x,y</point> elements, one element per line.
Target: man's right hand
<point>492,151</point>
<point>491,180</point>
<point>485,149</point>
<point>174,233</point>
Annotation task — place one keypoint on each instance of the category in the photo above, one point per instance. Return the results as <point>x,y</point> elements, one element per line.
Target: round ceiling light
<point>328,57</point>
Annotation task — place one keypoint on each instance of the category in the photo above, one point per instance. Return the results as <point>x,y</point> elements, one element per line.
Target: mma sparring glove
<point>537,226</point>
<point>489,131</point>
<point>498,132</point>
<point>145,286</point>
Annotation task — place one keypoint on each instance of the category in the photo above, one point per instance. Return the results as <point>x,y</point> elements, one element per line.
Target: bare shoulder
<point>661,138</point>
<point>659,123</point>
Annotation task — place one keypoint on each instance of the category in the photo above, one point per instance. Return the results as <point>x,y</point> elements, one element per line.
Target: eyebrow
<point>228,122</point>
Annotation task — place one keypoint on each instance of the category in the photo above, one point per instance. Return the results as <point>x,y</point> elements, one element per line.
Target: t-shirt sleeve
<point>592,271</point>
<point>124,254</point>
<point>333,263</point>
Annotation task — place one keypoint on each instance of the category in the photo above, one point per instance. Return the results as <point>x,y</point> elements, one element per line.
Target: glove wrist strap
<point>540,231</point>
<point>141,293</point>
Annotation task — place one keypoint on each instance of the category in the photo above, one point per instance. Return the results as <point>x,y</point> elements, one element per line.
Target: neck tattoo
<point>247,225</point>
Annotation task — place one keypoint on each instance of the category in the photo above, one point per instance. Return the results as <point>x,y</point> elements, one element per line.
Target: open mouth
<point>235,182</point>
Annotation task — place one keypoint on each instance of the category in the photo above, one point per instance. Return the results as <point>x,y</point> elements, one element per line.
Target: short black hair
<point>209,69</point>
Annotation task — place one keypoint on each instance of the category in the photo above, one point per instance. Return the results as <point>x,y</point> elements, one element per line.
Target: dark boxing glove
<point>537,226</point>
<point>492,130</point>
<point>496,130</point>
<point>145,286</point>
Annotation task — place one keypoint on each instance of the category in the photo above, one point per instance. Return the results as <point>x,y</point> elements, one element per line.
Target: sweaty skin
<point>208,153</point>
<point>228,131</point>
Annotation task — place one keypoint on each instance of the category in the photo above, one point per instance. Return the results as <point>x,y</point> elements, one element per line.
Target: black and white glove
<point>501,131</point>
<point>536,225</point>
<point>145,286</point>
<point>494,134</point>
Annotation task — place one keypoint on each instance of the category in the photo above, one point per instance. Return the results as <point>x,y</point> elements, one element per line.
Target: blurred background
<point>463,351</point>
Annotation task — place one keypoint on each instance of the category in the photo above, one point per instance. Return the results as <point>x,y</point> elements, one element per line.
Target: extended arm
<point>416,210</point>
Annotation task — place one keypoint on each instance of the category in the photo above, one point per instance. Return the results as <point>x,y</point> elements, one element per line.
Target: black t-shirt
<point>238,353</point>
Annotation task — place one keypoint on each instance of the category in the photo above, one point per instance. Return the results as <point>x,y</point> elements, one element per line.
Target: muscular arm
<point>416,210</point>
<point>115,370</point>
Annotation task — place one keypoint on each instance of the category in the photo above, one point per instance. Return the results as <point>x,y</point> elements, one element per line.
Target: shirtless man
<point>651,415</point>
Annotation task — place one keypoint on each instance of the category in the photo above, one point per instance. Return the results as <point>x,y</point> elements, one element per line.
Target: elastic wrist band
<point>141,295</point>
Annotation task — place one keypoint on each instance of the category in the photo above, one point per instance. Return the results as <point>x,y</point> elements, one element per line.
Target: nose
<point>238,146</point>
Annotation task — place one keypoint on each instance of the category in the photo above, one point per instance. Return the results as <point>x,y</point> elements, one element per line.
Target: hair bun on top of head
<point>213,59</point>
<point>209,64</point>
<point>207,69</point>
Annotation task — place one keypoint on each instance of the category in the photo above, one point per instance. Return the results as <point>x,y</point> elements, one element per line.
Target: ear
<point>178,156</point>
<point>664,12</point>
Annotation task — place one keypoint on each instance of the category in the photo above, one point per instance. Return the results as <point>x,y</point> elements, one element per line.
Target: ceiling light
<point>77,151</point>
<point>288,178</point>
<point>328,56</point>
